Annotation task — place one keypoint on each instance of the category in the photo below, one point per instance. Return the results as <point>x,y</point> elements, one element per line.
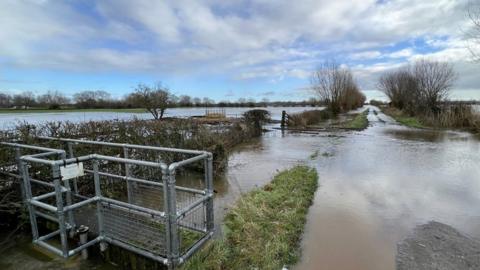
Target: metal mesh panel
<point>186,198</point>
<point>149,196</point>
<point>194,219</point>
<point>134,228</point>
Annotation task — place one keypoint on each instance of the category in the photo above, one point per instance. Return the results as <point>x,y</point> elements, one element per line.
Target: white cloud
<point>271,40</point>
<point>402,53</point>
<point>366,55</point>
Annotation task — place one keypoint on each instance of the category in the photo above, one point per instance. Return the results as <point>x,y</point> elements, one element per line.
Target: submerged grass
<point>263,230</point>
<point>359,122</point>
<point>314,155</point>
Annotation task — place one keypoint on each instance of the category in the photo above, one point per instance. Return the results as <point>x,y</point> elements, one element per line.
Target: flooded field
<point>375,186</point>
<point>8,120</point>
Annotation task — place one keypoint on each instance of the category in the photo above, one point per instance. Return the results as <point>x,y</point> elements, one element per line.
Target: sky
<point>226,50</point>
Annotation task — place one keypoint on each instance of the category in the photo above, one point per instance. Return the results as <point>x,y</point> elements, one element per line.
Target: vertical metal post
<point>209,187</point>
<point>98,193</point>
<point>165,179</point>
<point>28,197</point>
<point>127,174</point>
<point>171,228</point>
<point>83,234</point>
<point>72,155</point>
<point>172,201</point>
<point>71,218</point>
<point>18,154</point>
<point>70,149</point>
<point>60,214</point>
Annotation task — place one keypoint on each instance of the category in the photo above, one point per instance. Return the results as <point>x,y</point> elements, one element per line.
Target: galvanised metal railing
<point>154,217</point>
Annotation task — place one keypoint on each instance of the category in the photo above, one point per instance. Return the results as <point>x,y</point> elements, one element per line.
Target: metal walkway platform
<point>125,194</point>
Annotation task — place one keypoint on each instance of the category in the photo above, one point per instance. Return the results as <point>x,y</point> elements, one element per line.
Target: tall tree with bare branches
<point>335,86</point>
<point>156,99</point>
<point>473,34</point>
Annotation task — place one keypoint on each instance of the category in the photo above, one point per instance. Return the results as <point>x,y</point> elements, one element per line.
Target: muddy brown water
<point>376,185</point>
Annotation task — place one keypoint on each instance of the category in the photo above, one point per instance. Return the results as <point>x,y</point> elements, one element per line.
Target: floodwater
<point>8,120</point>
<point>375,186</point>
<point>380,184</point>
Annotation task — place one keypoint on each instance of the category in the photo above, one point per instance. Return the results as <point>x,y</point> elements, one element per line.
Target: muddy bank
<point>440,247</point>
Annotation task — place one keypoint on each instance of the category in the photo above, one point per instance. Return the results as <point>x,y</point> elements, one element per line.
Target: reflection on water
<point>8,120</point>
<point>426,134</point>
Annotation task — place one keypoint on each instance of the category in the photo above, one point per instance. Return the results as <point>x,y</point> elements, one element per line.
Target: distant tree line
<point>153,98</point>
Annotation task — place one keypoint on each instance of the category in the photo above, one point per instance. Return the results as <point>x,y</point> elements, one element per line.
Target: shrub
<point>307,118</point>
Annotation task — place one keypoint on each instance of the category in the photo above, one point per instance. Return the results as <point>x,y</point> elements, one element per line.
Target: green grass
<point>401,118</point>
<point>359,122</point>
<point>409,121</point>
<point>10,111</point>
<point>264,228</point>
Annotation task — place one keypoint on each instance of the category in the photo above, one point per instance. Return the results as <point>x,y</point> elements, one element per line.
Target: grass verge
<point>401,118</point>
<point>359,122</point>
<point>263,230</point>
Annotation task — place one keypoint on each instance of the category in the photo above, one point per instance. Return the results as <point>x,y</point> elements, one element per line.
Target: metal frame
<point>62,211</point>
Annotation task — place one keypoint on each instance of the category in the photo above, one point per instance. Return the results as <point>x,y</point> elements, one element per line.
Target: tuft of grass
<point>402,118</point>
<point>409,121</point>
<point>314,155</point>
<point>359,122</point>
<point>263,230</point>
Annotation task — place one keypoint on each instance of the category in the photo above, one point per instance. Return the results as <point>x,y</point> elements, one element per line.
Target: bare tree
<point>185,101</point>
<point>53,99</point>
<point>156,99</point>
<point>92,99</point>
<point>5,100</point>
<point>197,101</point>
<point>435,80</point>
<point>473,34</point>
<point>401,87</point>
<point>333,84</point>
<point>419,88</point>
<point>24,100</point>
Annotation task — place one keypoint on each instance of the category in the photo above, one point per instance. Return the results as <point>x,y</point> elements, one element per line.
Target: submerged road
<point>382,182</point>
<point>376,185</point>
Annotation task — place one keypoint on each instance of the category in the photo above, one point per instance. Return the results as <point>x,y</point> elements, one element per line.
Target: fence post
<point>98,194</point>
<point>28,197</point>
<point>60,213</point>
<point>72,155</point>
<point>127,174</point>
<point>209,186</point>
<point>284,119</point>
<point>168,177</point>
<point>56,175</point>
<point>18,154</point>
<point>172,201</point>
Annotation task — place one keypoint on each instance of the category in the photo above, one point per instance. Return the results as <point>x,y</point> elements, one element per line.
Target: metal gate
<point>125,194</point>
